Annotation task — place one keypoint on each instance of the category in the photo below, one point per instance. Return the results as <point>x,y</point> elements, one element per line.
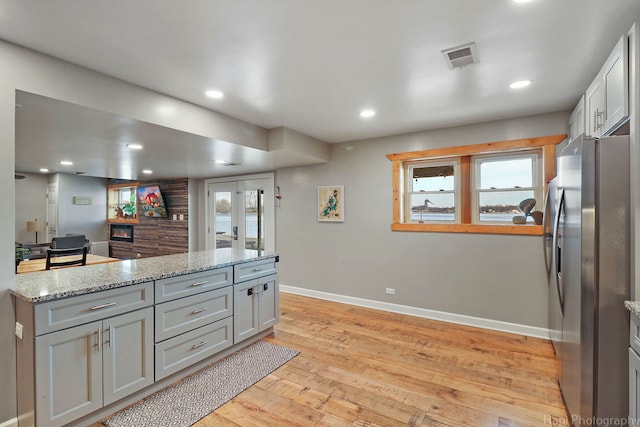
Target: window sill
<point>524,229</point>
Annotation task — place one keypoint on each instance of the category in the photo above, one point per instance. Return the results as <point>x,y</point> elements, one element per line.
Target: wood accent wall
<point>159,236</point>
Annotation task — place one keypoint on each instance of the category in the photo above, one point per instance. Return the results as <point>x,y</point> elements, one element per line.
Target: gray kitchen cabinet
<point>576,120</point>
<point>192,325</point>
<point>82,353</point>
<point>634,387</point>
<point>634,370</point>
<point>607,98</point>
<point>78,370</point>
<point>255,306</point>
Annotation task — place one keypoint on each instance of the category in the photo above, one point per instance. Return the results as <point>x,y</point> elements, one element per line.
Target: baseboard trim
<point>478,322</point>
<point>10,423</point>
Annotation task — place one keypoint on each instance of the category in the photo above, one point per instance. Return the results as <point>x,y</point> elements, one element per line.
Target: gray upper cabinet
<point>577,120</point>
<point>607,98</point>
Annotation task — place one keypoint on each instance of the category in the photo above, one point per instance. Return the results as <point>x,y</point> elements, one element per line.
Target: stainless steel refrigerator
<point>589,278</point>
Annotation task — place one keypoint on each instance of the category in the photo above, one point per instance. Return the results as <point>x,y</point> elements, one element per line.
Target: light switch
<point>19,330</point>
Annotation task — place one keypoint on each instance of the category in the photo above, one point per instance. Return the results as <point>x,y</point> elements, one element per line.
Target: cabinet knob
<point>265,286</point>
<point>250,291</point>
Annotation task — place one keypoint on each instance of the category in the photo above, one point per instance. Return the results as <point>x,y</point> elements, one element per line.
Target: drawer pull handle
<point>256,269</point>
<point>193,285</point>
<point>200,310</point>
<point>193,347</point>
<point>98,307</point>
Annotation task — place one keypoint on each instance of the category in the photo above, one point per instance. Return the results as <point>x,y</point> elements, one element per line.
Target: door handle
<point>235,232</point>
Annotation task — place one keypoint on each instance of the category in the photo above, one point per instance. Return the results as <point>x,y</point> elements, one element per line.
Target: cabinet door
<point>68,374</point>
<point>127,354</point>
<point>576,120</point>
<point>245,310</point>
<point>595,105</point>
<point>268,302</point>
<point>615,78</point>
<point>634,387</point>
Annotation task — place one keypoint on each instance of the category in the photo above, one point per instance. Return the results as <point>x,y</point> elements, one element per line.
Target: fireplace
<point>122,232</point>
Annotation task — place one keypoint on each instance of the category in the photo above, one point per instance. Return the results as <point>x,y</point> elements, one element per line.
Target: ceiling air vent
<point>461,56</point>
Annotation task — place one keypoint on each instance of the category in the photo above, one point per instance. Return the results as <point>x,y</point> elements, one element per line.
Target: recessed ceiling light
<point>134,146</point>
<point>220,162</point>
<point>521,1</point>
<point>215,94</point>
<point>367,113</point>
<point>44,170</point>
<point>66,162</point>
<point>147,171</point>
<point>520,84</point>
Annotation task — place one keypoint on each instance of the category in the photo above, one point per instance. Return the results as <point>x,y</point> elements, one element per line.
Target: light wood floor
<point>364,367</point>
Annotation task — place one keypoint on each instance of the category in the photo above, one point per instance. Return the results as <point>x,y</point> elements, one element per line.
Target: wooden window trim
<point>464,153</point>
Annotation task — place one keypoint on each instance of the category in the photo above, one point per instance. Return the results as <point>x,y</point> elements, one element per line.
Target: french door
<point>240,213</point>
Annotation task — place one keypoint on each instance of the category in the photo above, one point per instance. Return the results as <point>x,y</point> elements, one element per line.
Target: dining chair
<point>54,254</point>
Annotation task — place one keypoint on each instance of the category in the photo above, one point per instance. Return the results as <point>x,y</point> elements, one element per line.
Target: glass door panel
<point>239,216</point>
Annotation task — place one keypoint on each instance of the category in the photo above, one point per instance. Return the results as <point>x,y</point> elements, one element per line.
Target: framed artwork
<point>151,202</point>
<point>331,203</point>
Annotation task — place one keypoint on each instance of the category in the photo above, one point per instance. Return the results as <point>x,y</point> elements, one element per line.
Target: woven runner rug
<point>188,401</point>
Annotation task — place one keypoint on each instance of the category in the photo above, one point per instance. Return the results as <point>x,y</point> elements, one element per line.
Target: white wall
<point>497,277</point>
<point>90,220</point>
<point>31,203</point>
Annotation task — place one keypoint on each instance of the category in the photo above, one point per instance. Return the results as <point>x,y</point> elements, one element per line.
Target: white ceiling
<point>312,66</point>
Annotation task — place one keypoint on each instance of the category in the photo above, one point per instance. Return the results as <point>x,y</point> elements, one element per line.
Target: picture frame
<point>331,203</point>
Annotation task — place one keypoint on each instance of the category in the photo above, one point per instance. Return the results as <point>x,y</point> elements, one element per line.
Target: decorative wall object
<point>151,202</point>
<point>331,203</point>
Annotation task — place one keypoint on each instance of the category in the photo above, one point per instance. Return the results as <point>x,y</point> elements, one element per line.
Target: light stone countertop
<point>633,307</point>
<point>65,282</point>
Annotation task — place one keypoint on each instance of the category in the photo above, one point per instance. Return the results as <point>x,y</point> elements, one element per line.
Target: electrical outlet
<point>19,330</point>
<point>391,291</point>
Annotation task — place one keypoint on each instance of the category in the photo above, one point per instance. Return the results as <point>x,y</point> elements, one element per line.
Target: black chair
<point>53,254</point>
<point>69,241</point>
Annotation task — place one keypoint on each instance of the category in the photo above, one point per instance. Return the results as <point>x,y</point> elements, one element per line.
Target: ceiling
<point>313,66</point>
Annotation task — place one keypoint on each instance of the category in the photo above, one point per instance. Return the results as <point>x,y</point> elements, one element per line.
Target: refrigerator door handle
<point>546,236</point>
<point>557,255</point>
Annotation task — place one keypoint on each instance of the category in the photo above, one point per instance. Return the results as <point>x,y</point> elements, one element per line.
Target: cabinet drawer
<point>184,350</point>
<point>191,284</point>
<point>181,315</point>
<point>254,269</point>
<point>634,333</point>
<point>65,313</point>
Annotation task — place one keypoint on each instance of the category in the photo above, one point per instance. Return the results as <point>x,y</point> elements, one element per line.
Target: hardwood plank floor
<point>364,367</point>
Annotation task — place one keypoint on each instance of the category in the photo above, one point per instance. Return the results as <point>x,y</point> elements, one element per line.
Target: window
<point>432,194</point>
<point>475,188</point>
<point>502,182</point>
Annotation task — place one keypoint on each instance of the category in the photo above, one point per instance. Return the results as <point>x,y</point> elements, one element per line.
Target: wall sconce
<point>35,226</point>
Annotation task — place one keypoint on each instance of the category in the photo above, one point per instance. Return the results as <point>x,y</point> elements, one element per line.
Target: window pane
<point>502,206</point>
<point>433,178</point>
<point>433,207</point>
<point>506,173</point>
<point>254,220</point>
<point>222,220</point>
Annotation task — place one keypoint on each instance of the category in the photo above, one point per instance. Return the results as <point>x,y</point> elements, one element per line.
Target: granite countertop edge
<point>633,307</point>
<point>47,286</point>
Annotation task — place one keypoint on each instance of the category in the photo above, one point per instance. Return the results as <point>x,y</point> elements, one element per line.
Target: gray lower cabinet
<point>634,387</point>
<point>81,353</point>
<point>80,369</point>
<point>255,306</point>
<point>192,328</point>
